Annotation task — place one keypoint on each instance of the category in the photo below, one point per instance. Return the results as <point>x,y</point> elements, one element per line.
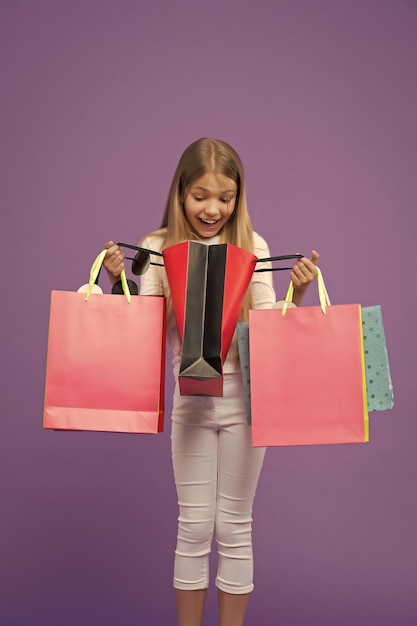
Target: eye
<point>198,199</point>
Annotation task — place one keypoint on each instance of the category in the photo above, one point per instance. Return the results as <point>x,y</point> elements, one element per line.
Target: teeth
<point>210,223</point>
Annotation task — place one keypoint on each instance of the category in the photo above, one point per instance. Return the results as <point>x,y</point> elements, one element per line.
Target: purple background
<point>98,100</point>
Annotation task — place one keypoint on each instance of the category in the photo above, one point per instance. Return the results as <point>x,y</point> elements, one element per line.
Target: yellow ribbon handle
<point>323,295</point>
<point>95,268</point>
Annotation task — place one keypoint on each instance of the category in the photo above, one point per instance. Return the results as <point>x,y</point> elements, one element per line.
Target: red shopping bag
<point>307,375</point>
<point>105,363</point>
<point>207,284</point>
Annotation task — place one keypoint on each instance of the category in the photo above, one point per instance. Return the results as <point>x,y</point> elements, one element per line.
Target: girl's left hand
<point>305,270</point>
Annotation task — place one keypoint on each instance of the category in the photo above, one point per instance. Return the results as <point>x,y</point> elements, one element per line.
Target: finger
<point>111,249</point>
<point>315,257</point>
<point>303,272</point>
<point>298,275</point>
<point>309,266</point>
<point>114,252</point>
<point>304,267</point>
<point>295,280</point>
<point>114,259</point>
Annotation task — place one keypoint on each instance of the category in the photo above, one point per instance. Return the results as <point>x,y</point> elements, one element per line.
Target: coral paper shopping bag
<point>307,375</point>
<point>105,363</point>
<point>379,389</point>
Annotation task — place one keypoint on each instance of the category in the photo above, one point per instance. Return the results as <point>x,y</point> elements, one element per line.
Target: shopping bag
<point>307,374</point>
<point>242,334</point>
<point>379,387</point>
<point>105,361</point>
<point>207,284</point>
<point>380,394</point>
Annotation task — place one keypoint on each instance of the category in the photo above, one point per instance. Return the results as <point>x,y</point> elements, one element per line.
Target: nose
<point>211,207</point>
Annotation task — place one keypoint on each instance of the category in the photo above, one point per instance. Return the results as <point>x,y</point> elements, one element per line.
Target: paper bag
<point>105,363</point>
<point>207,284</point>
<point>308,376</point>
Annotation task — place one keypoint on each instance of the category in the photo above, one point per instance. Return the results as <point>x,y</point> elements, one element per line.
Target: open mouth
<point>209,222</point>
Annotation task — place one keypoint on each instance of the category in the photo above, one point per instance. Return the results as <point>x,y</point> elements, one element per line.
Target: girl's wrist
<point>299,293</point>
<point>112,278</point>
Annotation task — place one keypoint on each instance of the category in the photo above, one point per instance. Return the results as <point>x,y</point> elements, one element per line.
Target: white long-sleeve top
<point>154,283</point>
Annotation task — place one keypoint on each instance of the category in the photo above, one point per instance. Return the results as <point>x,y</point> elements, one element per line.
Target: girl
<point>216,469</point>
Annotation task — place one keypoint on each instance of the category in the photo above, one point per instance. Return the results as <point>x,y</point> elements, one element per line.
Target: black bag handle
<point>283,257</point>
<point>141,261</point>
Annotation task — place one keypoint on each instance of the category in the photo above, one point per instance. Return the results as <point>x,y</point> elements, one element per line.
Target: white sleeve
<point>262,285</point>
<point>151,282</point>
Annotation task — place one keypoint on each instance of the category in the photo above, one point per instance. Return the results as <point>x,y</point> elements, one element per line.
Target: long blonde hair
<point>202,157</point>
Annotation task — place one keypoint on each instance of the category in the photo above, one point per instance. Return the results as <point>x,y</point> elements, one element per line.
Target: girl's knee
<point>195,536</point>
<point>234,531</point>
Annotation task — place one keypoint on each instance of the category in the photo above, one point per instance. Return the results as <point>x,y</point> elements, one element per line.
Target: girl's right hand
<point>113,261</point>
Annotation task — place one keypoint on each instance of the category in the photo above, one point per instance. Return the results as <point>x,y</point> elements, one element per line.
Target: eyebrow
<point>225,191</point>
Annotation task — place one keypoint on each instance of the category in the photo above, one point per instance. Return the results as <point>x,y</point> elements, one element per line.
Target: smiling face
<point>209,203</point>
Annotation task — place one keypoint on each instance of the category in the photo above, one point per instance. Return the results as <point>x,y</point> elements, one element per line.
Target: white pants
<point>216,472</point>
